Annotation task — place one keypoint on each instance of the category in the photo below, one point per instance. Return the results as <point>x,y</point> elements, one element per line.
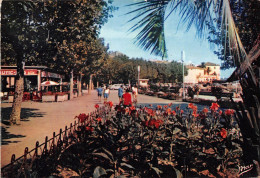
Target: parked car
<point>115,86</point>
<point>160,94</point>
<point>172,93</point>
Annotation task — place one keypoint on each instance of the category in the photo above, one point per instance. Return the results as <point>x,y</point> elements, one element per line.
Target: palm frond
<point>230,32</point>
<point>193,12</point>
<point>151,37</point>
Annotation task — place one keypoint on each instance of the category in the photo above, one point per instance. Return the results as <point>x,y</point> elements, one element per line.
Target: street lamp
<point>182,60</point>
<point>138,70</point>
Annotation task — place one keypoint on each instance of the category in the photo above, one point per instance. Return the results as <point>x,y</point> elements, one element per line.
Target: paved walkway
<point>42,119</point>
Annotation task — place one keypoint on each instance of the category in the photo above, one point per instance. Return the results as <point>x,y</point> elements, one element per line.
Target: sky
<point>116,33</point>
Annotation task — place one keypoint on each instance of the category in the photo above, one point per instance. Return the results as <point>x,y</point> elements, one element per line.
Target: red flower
<point>151,122</point>
<point>82,117</point>
<point>96,106</point>
<point>229,112</point>
<point>155,123</point>
<point>173,113</point>
<point>170,104</point>
<point>110,103</point>
<point>150,112</point>
<point>89,129</point>
<point>182,111</point>
<point>190,105</point>
<point>132,108</point>
<point>214,106</point>
<point>159,107</point>
<point>168,111</point>
<point>223,133</point>
<point>165,106</point>
<point>194,113</point>
<point>205,110</point>
<point>220,112</point>
<point>158,123</point>
<point>99,119</point>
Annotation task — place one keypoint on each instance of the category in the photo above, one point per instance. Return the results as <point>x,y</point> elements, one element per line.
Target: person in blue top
<point>120,93</point>
<point>100,91</point>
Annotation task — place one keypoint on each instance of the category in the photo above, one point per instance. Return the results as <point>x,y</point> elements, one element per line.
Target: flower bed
<point>148,141</point>
<point>156,141</point>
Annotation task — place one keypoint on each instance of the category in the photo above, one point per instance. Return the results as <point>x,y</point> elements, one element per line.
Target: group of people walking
<point>105,91</point>
<point>124,95</point>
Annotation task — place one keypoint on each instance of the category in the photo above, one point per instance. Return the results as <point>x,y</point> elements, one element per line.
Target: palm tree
<point>151,16</point>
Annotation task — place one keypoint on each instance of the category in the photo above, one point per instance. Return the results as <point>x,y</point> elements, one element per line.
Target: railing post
<point>59,140</point>
<point>13,159</point>
<point>53,142</point>
<point>65,138</point>
<point>53,136</point>
<point>36,148</point>
<point>60,134</point>
<point>25,154</point>
<point>45,145</point>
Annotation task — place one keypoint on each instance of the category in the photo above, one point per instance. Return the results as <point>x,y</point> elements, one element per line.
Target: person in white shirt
<point>106,94</point>
<point>135,93</point>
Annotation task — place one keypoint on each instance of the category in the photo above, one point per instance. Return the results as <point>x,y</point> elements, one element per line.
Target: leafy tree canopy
<point>122,69</point>
<point>58,34</point>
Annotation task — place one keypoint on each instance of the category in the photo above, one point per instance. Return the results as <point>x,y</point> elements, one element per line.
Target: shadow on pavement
<point>26,113</point>
<point>6,135</point>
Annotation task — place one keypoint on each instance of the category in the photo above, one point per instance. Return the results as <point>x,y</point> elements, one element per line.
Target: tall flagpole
<point>183,83</point>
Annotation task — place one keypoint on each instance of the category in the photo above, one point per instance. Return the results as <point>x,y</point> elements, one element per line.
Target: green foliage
<point>62,35</point>
<point>151,37</point>
<point>154,142</point>
<point>121,69</point>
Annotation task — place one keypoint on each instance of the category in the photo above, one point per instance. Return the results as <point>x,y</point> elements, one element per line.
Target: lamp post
<point>138,70</point>
<point>182,60</point>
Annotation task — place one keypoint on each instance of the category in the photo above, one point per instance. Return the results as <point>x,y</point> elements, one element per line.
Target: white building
<point>194,74</point>
<point>205,74</point>
<point>143,82</point>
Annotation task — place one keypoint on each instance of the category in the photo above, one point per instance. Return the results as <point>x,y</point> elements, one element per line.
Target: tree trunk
<point>15,117</point>
<point>79,84</point>
<point>90,83</point>
<point>250,115</point>
<point>71,85</point>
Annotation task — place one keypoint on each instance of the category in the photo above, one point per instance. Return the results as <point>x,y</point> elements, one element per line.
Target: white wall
<point>193,75</point>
